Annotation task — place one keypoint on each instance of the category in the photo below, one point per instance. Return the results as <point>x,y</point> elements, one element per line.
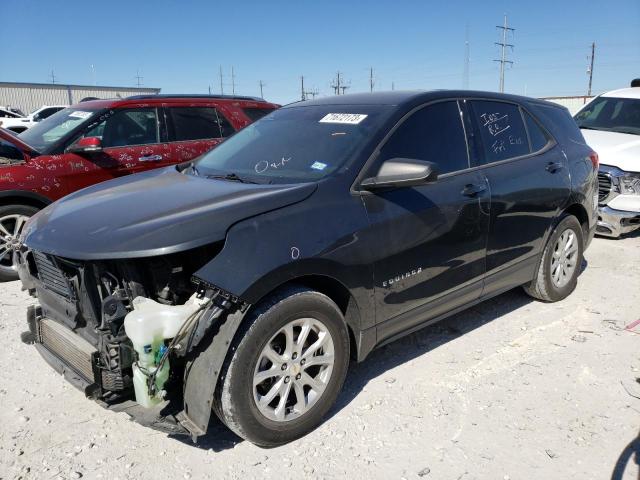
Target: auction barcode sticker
<point>344,118</point>
<point>80,114</point>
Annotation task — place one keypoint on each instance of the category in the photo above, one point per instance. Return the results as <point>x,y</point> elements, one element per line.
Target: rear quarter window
<point>537,136</point>
<point>255,114</point>
<point>560,122</point>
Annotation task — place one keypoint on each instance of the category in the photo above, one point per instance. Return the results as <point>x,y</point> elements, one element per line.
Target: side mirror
<point>402,172</point>
<point>86,145</point>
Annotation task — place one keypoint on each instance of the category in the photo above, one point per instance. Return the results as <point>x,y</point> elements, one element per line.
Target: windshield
<point>47,133</point>
<point>296,144</point>
<point>620,115</point>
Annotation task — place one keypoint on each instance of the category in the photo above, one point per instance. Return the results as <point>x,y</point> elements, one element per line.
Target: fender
<point>25,194</point>
<point>264,252</point>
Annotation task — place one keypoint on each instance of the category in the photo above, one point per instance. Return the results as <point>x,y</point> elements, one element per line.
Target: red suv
<point>104,139</point>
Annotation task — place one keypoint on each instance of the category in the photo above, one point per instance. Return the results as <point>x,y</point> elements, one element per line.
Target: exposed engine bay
<point>125,328</point>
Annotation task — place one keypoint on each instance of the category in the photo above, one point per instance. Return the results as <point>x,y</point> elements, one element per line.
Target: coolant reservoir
<point>148,325</point>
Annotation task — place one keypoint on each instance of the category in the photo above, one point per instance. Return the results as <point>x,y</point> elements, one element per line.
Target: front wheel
<point>561,261</point>
<point>288,365</point>
<point>12,220</point>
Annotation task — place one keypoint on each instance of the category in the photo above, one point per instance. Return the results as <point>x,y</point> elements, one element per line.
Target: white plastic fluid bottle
<point>148,326</point>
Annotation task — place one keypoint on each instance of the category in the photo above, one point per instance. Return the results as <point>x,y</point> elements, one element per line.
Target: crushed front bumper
<point>614,223</point>
<point>70,355</point>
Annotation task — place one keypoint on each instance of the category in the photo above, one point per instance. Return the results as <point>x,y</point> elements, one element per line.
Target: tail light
<point>595,161</point>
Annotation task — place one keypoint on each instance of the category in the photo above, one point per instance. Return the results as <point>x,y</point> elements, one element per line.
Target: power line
<point>503,58</point>
<point>590,70</point>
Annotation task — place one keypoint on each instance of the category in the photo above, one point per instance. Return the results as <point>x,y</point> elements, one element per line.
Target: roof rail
<point>188,95</point>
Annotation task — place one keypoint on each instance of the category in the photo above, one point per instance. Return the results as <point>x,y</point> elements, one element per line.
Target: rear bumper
<point>614,223</point>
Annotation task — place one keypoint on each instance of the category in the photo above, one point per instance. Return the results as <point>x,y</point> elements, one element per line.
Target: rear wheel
<point>288,366</point>
<point>561,262</point>
<point>12,220</point>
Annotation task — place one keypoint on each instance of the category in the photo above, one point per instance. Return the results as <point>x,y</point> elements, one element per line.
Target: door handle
<point>150,158</point>
<point>473,189</point>
<point>553,167</point>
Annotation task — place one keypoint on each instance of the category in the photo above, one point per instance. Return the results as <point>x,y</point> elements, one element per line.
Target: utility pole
<point>393,86</point>
<point>305,94</point>
<point>339,85</point>
<point>371,83</point>
<point>467,59</point>
<point>138,79</point>
<point>221,85</point>
<point>503,58</point>
<point>261,83</point>
<point>53,77</point>
<point>590,71</point>
<point>336,84</point>
<point>93,74</point>
<point>233,81</point>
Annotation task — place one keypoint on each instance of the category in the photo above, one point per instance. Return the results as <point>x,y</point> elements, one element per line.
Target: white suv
<point>19,124</point>
<point>611,125</point>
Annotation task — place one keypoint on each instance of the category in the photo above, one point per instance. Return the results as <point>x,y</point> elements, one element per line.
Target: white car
<point>611,125</point>
<point>19,124</point>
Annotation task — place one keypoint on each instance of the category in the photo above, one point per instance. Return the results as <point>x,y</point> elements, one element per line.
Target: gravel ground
<point>510,389</point>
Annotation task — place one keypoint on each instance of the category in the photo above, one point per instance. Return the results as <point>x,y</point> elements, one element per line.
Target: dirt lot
<point>511,389</point>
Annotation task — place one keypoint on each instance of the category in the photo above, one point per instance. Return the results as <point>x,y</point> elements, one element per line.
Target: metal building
<point>31,96</point>
<point>574,103</point>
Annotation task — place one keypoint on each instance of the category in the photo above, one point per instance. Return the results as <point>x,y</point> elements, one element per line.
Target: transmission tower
<point>503,45</point>
<point>467,59</point>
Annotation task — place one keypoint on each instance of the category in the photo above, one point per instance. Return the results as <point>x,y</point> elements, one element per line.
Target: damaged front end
<point>137,335</point>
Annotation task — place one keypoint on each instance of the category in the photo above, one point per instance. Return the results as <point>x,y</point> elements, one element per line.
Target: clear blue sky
<point>179,45</point>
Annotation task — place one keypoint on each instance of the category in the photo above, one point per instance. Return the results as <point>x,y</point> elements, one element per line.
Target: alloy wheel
<point>10,228</point>
<point>293,369</point>
<point>564,259</point>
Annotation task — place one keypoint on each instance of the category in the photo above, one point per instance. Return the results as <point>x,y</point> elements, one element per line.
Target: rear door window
<point>198,123</point>
<point>502,131</point>
<point>434,134</point>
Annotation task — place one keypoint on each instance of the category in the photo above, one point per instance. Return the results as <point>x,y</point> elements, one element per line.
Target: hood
<point>620,150</point>
<point>14,140</point>
<point>153,213</point>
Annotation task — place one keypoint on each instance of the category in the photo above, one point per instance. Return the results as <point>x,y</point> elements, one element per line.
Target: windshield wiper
<point>232,177</point>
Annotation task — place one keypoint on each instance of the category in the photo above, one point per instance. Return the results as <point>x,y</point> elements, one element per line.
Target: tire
<point>237,398</point>
<point>9,215</point>
<point>550,283</point>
